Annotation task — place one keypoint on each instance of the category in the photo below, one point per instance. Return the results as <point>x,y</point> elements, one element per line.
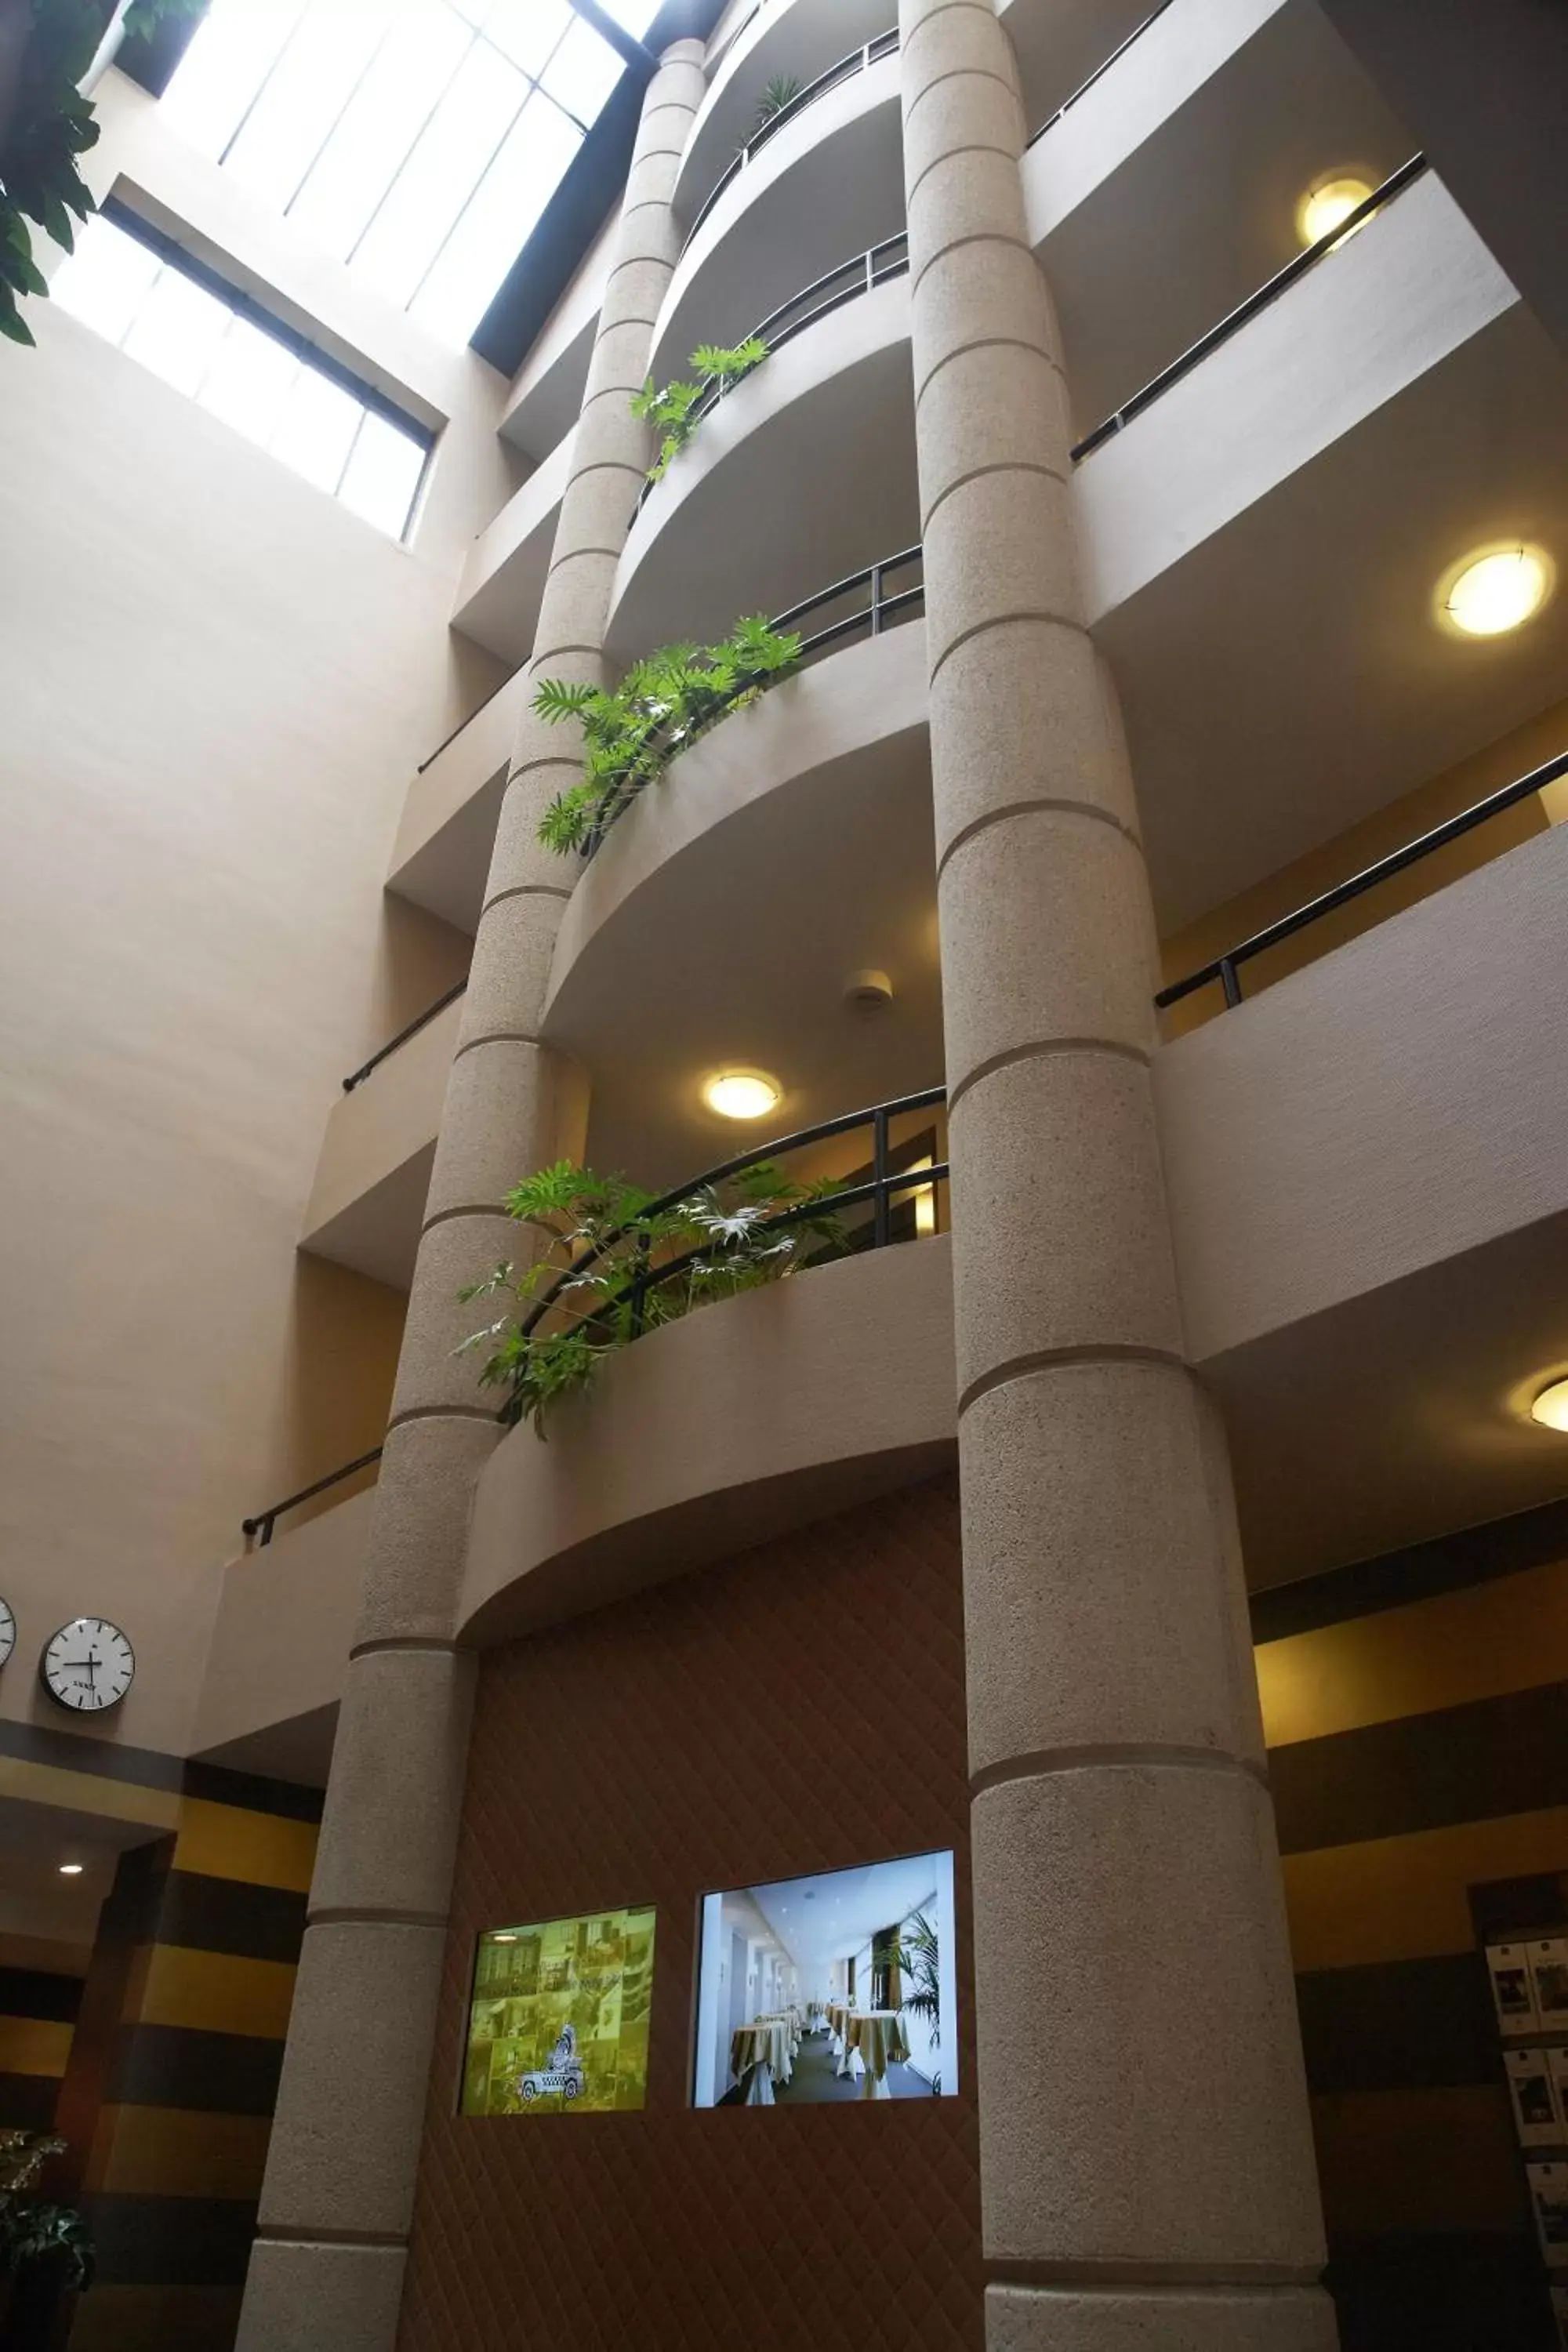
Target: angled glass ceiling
<point>416,140</point>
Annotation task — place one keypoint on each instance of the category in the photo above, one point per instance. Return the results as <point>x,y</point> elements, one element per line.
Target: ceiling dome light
<point>1495,590</point>
<point>1550,1407</point>
<point>743,1094</point>
<point>70,1869</point>
<point>1322,208</point>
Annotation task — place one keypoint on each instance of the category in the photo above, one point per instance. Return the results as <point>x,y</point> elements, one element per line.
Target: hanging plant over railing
<point>676,410</point>
<point>631,732</point>
<point>616,1261</point>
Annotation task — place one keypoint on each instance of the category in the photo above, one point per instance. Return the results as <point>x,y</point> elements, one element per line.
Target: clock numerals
<point>7,1630</point>
<point>88,1666</point>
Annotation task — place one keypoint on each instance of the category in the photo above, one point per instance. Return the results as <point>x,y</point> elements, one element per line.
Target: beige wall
<point>216,683</point>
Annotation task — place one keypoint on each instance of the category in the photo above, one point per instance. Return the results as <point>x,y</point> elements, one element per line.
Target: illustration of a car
<point>564,2074</point>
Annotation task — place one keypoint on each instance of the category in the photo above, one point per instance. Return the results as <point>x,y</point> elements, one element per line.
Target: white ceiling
<point>833,1915</point>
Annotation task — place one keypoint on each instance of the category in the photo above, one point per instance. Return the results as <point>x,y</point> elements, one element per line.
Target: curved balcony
<point>503,585</point>
<point>802,468</point>
<point>826,173</point>
<point>804,41</point>
<point>442,852</point>
<point>743,1417</point>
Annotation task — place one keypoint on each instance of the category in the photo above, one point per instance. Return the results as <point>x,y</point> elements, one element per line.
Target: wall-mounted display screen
<point>560,2016</point>
<point>837,1987</point>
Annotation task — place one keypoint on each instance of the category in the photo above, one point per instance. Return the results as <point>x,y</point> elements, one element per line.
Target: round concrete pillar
<point>337,2201</point>
<point>1147,2171</point>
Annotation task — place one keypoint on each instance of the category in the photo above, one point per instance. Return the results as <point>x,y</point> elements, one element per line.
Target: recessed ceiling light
<point>1322,208</point>
<point>743,1094</point>
<point>1551,1406</point>
<point>70,1869</point>
<point>1495,588</point>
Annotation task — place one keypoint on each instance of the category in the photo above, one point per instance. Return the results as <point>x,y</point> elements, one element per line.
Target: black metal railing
<point>469,721</point>
<point>851,278</point>
<point>877,1191</point>
<point>1227,969</point>
<point>422,1021</point>
<point>1119,51</point>
<point>873,607</point>
<point>261,1525</point>
<point>868,54</point>
<point>1307,260</point>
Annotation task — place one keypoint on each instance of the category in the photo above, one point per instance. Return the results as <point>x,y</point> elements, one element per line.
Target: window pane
<point>250,382</point>
<point>230,54</point>
<point>502,211</point>
<point>105,280</point>
<point>469,125</point>
<point>582,72</point>
<point>380,125</point>
<point>383,475</point>
<point>527,31</point>
<point>316,428</point>
<point>177,331</point>
<point>303,98</point>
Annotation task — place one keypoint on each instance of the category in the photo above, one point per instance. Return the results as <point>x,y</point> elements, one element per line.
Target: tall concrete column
<point>338,2198</point>
<point>1147,2171</point>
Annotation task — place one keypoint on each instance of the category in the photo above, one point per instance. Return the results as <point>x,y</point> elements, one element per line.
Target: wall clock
<point>87,1666</point>
<point>7,1630</point>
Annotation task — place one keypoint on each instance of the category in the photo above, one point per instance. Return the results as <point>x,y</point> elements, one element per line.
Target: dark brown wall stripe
<point>1458,2291</point>
<point>1398,2026</point>
<point>1529,1540</point>
<point>38,1993</point>
<point>27,2102</point>
<point>171,2240</point>
<point>1459,1764</point>
<point>148,1767</point>
<point>177,2066</point>
<point>231,1914</point>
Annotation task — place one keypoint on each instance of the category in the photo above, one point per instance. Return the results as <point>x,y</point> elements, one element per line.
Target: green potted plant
<point>46,2250</point>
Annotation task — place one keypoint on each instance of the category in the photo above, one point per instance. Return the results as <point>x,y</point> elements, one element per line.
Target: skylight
<point>209,341</point>
<point>416,140</point>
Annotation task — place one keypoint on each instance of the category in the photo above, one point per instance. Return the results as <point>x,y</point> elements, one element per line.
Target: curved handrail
<point>420,1021</point>
<point>883,1182</point>
<point>861,274</point>
<point>1104,67</point>
<point>1227,969</point>
<point>1297,267</point>
<point>869,53</point>
<point>881,611</point>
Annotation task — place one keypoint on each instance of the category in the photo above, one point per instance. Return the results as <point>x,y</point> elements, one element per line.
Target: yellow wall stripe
<point>34,2045</point>
<point>227,1841</point>
<point>1486,1641</point>
<point>177,2152</point>
<point>90,1792</point>
<point>1403,1898</point>
<point>213,1992</point>
<point>1427,2159</point>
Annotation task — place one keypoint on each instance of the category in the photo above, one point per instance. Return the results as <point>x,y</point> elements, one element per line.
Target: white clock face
<point>88,1666</point>
<point>7,1630</point>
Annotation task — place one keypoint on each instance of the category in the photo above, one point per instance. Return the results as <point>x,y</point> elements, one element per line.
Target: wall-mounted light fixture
<point>1324,206</point>
<point>1550,1406</point>
<point>743,1094</point>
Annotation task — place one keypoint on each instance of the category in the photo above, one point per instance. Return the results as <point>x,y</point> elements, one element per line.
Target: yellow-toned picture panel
<point>560,2016</point>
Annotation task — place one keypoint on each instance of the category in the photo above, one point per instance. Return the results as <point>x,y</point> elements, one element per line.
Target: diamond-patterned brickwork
<point>795,1709</point>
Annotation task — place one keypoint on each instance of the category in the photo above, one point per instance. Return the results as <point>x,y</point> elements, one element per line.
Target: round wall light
<point>1322,208</point>
<point>743,1094</point>
<point>1495,588</point>
<point>1550,1406</point>
<point>70,1869</point>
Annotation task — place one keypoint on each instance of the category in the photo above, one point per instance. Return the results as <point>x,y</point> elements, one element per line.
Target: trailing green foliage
<point>664,703</point>
<point>673,410</point>
<point>780,92</point>
<point>727,1232</point>
<point>31,2231</point>
<point>49,126</point>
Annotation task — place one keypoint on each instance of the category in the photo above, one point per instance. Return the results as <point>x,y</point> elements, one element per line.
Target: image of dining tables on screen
<point>837,1987</point>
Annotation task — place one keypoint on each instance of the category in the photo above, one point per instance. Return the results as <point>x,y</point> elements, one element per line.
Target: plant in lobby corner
<point>672,409</point>
<point>920,1957</point>
<point>631,732</point>
<point>46,122</point>
<point>46,2251</point>
<point>726,1236</point>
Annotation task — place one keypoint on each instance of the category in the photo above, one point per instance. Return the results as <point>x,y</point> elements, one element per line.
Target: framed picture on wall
<point>1549,1980</point>
<point>1549,2197</point>
<point>1513,1996</point>
<point>559,2018</point>
<point>1537,2116</point>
